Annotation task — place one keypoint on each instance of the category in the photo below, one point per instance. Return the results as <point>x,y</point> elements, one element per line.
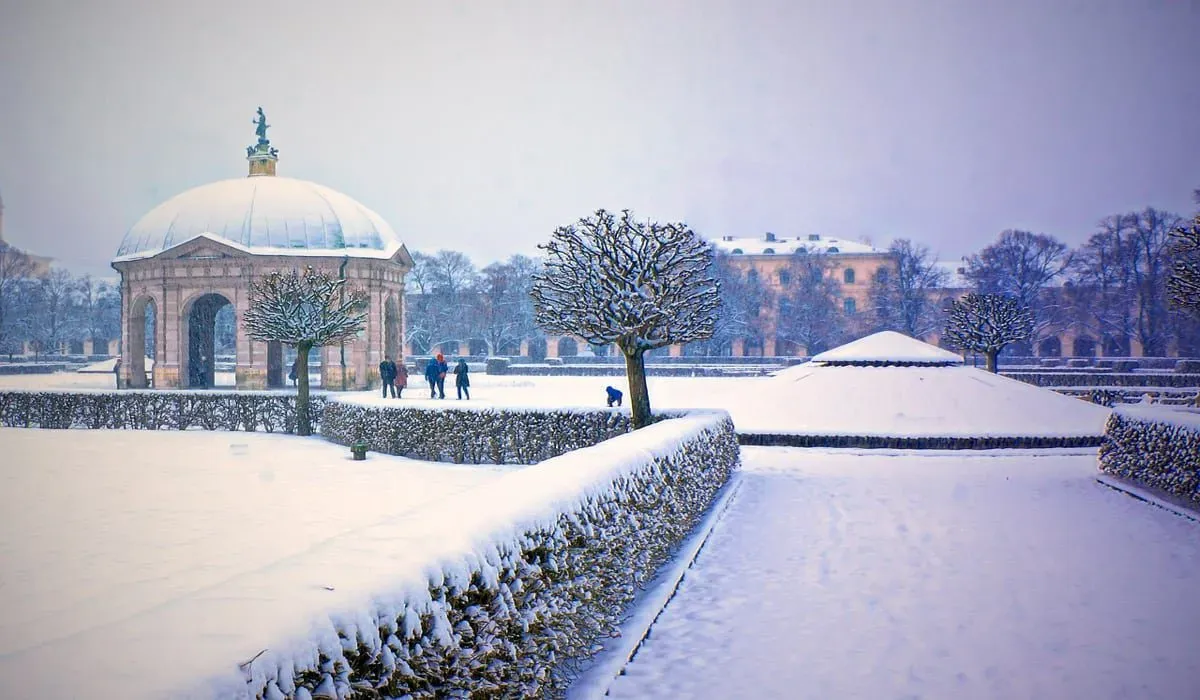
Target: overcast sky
<point>480,126</point>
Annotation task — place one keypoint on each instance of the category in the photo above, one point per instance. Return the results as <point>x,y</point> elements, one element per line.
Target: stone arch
<point>1116,346</point>
<point>477,346</point>
<point>197,346</point>
<point>567,347</point>
<point>143,335</point>
<point>1084,346</point>
<point>537,348</point>
<point>1050,347</point>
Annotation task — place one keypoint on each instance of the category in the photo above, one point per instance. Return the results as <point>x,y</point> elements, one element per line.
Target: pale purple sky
<point>481,126</point>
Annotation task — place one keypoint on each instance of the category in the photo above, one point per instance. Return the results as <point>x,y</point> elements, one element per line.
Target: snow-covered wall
<point>1155,446</point>
<point>473,434</point>
<point>502,591</point>
<point>155,409</point>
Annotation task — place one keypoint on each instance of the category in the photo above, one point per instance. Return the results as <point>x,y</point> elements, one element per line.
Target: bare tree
<point>304,310</point>
<point>1183,287</point>
<point>743,298</point>
<point>904,299</point>
<point>15,270</point>
<point>987,323</point>
<point>809,313</point>
<point>1023,265</point>
<point>99,310</point>
<point>638,285</point>
<point>504,311</point>
<point>1100,289</point>
<point>55,314</point>
<point>1151,237</point>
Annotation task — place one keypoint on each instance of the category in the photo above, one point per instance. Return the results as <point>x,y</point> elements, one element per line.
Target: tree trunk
<point>639,395</point>
<point>991,360</point>
<point>303,420</point>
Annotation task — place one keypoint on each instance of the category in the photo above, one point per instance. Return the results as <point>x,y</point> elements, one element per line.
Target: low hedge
<point>872,442</point>
<point>156,409</point>
<point>471,436</point>
<point>33,368</point>
<point>1125,379</point>
<point>510,611</point>
<point>1155,446</point>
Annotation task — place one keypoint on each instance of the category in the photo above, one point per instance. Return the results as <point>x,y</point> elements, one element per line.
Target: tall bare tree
<point>1183,287</point>
<point>904,298</point>
<point>304,310</point>
<point>503,310</point>
<point>639,285</point>
<point>15,271</point>
<point>1023,265</point>
<point>99,306</point>
<point>1151,236</point>
<point>55,312</point>
<point>809,312</point>
<point>740,315</point>
<point>1101,290</point>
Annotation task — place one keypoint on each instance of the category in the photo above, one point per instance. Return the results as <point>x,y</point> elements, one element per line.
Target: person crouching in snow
<point>461,381</point>
<point>614,396</point>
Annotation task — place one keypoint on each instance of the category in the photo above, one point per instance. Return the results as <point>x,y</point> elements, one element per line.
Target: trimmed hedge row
<point>466,436</point>
<point>514,618</point>
<point>1156,447</point>
<point>156,409</point>
<point>1142,379</point>
<point>872,442</point>
<point>32,368</point>
<point>651,370</point>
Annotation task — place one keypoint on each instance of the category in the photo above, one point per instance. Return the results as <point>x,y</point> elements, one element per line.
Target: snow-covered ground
<point>839,574</point>
<point>110,540</point>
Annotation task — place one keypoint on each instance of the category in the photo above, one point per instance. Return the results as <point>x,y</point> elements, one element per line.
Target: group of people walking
<point>395,377</point>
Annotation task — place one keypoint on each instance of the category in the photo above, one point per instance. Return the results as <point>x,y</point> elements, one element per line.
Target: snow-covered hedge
<point>472,435</point>
<point>1155,446</point>
<point>871,442</point>
<point>1110,378</point>
<point>155,409</point>
<point>511,586</point>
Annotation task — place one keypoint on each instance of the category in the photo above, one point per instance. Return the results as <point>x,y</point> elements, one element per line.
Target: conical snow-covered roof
<point>888,348</point>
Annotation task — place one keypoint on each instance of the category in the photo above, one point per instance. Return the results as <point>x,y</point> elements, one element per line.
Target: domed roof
<point>888,348</point>
<point>276,215</point>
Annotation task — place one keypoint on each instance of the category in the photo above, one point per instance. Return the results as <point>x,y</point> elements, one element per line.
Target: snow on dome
<point>264,215</point>
<point>888,347</point>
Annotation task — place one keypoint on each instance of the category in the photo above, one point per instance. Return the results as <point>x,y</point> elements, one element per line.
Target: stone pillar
<point>464,349</point>
<point>251,369</point>
<point>769,346</point>
<point>552,345</point>
<point>524,347</point>
<point>676,350</point>
<point>738,347</point>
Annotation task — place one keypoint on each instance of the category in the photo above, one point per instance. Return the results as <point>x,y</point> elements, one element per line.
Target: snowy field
<point>837,574</point>
<point>112,539</point>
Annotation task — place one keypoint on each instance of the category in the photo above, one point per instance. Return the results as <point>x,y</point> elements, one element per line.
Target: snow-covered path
<point>838,574</point>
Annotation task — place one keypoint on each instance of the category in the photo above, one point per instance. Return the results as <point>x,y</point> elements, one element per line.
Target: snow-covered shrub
<point>471,435</point>
<point>1125,365</point>
<point>155,409</point>
<point>533,574</point>
<point>1188,366</point>
<point>1155,446</point>
<point>1105,378</point>
<point>497,365</point>
<point>887,442</point>
<point>1105,397</point>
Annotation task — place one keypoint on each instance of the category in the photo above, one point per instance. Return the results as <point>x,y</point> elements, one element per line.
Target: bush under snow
<point>519,586</point>
<point>1155,446</point>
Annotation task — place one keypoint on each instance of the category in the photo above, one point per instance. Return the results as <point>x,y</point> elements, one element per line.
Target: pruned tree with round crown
<point>304,310</point>
<point>986,323</point>
<point>638,285</point>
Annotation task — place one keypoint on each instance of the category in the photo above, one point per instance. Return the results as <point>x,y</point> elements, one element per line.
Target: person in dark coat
<point>295,368</point>
<point>117,372</point>
<point>387,373</point>
<point>461,381</point>
<point>614,396</point>
<point>401,378</point>
<point>435,374</point>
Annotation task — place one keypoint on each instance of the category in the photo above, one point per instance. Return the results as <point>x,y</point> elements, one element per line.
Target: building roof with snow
<point>771,244</point>
<point>888,348</point>
<point>264,214</point>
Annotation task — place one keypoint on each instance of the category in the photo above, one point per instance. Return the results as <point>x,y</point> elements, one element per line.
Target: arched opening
<point>537,348</point>
<point>1050,347</point>
<point>848,275</point>
<point>420,345</point>
<point>448,348</point>
<point>143,329</point>
<point>567,347</point>
<point>204,335</point>
<point>1115,346</point>
<point>478,347</point>
<point>509,348</point>
<point>1084,346</point>
<point>603,350</point>
<point>391,329</point>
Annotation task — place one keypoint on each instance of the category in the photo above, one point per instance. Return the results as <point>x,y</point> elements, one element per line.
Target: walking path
<point>839,574</point>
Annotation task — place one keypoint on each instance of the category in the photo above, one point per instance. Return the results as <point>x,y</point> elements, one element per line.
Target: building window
<point>768,251</point>
<point>736,251</point>
<point>785,277</point>
<point>882,275</point>
<point>848,275</point>
<point>850,306</point>
<point>752,276</point>
<point>833,249</point>
<point>801,250</point>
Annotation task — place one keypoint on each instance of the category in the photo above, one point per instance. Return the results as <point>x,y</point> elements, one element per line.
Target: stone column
<point>675,350</point>
<point>738,347</point>
<point>552,345</point>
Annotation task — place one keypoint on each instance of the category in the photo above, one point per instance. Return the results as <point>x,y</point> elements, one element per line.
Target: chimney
<point>770,237</point>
